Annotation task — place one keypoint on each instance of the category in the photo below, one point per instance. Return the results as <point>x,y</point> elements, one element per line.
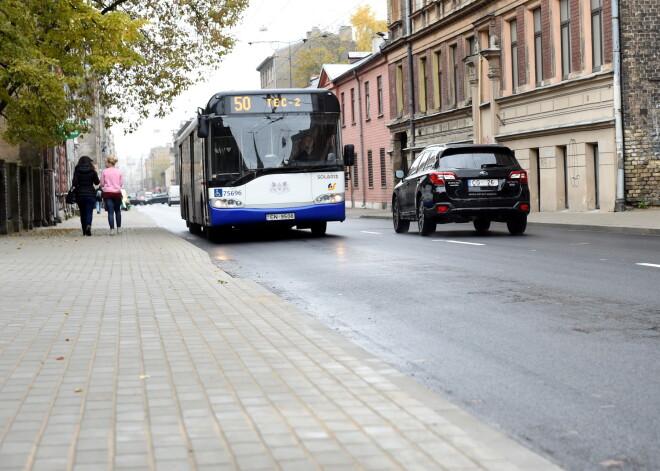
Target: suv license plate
<point>483,182</point>
<point>280,217</point>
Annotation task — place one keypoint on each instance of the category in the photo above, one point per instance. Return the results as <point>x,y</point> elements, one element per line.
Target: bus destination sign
<point>281,103</point>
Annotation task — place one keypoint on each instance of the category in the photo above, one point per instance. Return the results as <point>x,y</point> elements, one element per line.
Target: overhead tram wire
<point>337,22</point>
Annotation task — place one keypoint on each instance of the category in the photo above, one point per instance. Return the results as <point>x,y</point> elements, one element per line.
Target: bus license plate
<point>280,217</point>
<point>483,182</point>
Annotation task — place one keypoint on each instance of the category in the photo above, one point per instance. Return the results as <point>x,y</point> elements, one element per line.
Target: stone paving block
<point>49,464</point>
<point>206,374</point>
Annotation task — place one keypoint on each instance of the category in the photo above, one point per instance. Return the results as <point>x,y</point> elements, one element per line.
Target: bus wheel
<point>194,228</point>
<point>319,228</point>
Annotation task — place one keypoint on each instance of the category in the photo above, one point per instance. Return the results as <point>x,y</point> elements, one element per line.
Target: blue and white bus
<point>264,157</point>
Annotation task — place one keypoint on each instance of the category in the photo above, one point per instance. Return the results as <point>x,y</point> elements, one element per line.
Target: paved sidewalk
<point>135,352</point>
<point>638,221</point>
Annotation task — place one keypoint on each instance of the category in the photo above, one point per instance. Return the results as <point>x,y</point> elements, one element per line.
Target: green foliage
<point>642,204</point>
<point>59,59</point>
<point>366,26</point>
<point>182,43</point>
<point>52,54</point>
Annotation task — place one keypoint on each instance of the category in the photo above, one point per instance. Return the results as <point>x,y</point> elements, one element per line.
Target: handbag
<point>99,194</point>
<point>71,196</point>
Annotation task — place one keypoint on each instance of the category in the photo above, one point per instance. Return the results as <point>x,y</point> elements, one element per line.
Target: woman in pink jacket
<point>112,181</point>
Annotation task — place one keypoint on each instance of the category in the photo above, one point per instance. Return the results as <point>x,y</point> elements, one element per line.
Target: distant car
<point>156,198</point>
<point>141,198</point>
<point>462,183</point>
<point>173,196</point>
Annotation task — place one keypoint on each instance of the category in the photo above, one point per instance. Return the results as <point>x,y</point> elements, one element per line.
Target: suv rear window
<point>462,159</point>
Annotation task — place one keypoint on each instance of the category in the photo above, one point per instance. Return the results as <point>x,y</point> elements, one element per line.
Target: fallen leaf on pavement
<point>77,390</point>
<point>59,358</point>
<point>610,463</point>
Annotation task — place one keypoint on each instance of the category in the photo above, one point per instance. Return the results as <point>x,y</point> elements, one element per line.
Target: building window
<point>367,101</point>
<point>422,84</point>
<point>356,176</point>
<point>597,33</point>
<point>538,46</point>
<point>453,82</point>
<point>396,10</point>
<point>379,86</point>
<point>471,45</point>
<point>437,80</point>
<point>370,168</point>
<point>514,54</point>
<point>565,35</point>
<point>353,105</point>
<point>343,110</point>
<point>383,169</point>
<point>399,90</point>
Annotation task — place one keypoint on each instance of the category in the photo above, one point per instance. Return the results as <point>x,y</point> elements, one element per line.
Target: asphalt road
<point>552,337</point>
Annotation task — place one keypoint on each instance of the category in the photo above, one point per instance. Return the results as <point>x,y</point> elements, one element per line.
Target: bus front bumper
<point>291,216</point>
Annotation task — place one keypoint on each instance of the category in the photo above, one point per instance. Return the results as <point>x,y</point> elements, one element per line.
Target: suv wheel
<point>424,224</point>
<point>400,225</point>
<point>481,225</point>
<point>517,225</point>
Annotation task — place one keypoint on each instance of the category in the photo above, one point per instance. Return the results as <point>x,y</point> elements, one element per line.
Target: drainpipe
<point>364,189</point>
<point>411,94</point>
<point>620,202</point>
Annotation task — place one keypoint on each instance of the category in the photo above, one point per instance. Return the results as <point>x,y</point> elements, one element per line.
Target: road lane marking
<point>457,242</point>
<point>369,232</point>
<point>648,265</point>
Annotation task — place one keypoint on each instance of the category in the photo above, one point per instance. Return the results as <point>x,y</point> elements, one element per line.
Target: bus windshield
<point>245,144</point>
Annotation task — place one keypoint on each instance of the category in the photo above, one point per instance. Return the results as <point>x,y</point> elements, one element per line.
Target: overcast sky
<point>264,20</point>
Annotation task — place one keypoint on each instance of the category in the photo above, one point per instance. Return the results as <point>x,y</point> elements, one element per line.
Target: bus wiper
<point>323,166</point>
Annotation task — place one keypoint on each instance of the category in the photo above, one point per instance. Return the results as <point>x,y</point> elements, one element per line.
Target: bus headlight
<point>222,203</point>
<point>329,198</point>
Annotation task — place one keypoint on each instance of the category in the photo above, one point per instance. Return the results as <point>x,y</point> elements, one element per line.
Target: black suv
<point>462,183</point>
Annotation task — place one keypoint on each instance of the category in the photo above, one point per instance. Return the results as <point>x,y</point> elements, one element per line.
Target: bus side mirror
<point>349,155</point>
<point>202,127</point>
<point>399,174</point>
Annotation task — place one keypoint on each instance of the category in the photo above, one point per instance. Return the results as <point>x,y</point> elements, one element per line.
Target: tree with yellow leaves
<point>366,26</point>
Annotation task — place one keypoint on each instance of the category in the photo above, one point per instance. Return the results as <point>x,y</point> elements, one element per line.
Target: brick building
<point>363,95</point>
<point>640,64</point>
<point>534,75</point>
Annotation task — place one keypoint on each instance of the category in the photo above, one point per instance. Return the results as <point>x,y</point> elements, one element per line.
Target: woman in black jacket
<point>84,179</point>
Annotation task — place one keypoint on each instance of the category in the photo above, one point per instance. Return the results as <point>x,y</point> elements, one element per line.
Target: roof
<point>335,70</point>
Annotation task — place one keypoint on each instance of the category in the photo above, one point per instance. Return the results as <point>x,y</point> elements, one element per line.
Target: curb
<point>595,228</point>
<point>561,225</point>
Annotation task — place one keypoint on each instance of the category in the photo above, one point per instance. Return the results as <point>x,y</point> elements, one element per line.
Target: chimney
<point>376,44</point>
<point>346,33</point>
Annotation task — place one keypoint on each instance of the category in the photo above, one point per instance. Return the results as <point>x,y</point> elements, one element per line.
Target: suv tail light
<point>438,178</point>
<point>519,175</point>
